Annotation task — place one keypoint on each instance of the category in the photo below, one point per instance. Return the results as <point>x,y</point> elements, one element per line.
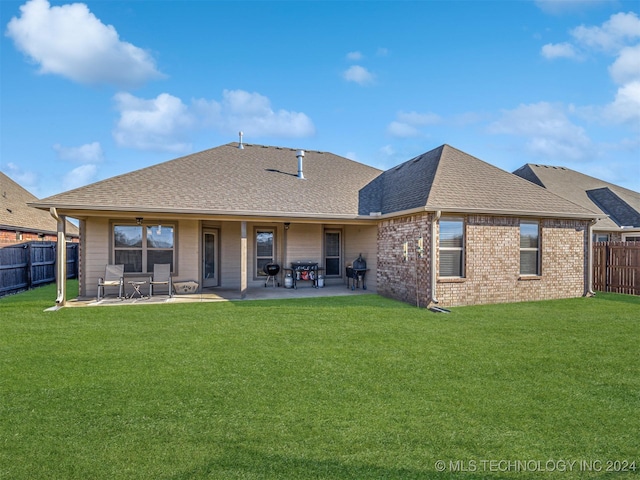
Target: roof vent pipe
<point>240,146</point>
<point>300,155</point>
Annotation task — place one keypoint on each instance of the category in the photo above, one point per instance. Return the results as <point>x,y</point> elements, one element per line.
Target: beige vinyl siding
<point>304,243</point>
<point>188,253</point>
<point>362,239</point>
<point>96,253</point>
<point>229,244</point>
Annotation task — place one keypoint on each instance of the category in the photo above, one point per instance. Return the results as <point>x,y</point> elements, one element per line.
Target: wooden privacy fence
<point>616,267</point>
<point>30,264</point>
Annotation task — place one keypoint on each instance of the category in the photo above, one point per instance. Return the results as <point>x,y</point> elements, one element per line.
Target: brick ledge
<point>452,280</point>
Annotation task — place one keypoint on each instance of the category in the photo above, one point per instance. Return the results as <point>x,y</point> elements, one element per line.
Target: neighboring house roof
<point>254,181</point>
<point>16,215</point>
<point>450,180</point>
<point>622,205</point>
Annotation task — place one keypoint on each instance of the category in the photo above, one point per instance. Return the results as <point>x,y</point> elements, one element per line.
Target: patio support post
<point>61,261</point>
<point>243,260</point>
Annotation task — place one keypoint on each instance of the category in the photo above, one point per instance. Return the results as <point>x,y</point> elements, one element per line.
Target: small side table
<point>136,289</point>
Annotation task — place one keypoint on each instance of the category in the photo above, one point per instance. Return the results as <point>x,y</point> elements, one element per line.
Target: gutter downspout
<point>590,292</point>
<point>61,267</point>
<point>434,275</point>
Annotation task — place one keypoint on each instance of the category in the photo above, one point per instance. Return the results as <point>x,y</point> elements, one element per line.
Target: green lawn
<point>350,387</point>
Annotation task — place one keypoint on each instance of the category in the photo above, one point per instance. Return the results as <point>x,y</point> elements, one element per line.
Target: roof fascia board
<point>159,214</point>
<point>18,228</point>
<point>504,213</point>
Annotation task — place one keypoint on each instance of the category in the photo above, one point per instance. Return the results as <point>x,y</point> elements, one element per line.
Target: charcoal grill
<point>356,273</point>
<point>271,270</point>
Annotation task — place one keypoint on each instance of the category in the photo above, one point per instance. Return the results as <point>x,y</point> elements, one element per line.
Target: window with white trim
<point>529,248</point>
<point>140,247</point>
<point>600,237</point>
<point>451,248</point>
<point>265,249</point>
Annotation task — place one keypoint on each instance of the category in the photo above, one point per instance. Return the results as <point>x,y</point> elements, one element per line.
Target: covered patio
<point>227,295</point>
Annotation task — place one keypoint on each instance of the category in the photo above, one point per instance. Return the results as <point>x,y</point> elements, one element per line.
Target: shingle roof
<point>621,204</point>
<point>448,179</point>
<point>262,181</point>
<point>15,214</point>
<point>257,180</point>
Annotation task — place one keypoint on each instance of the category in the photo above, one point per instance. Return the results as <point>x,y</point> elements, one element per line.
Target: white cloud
<point>156,124</point>
<point>88,153</point>
<point>359,75</point>
<point>70,41</point>
<point>625,108</point>
<point>407,124</point>
<point>387,150</point>
<point>79,176</point>
<point>559,50</point>
<point>252,113</point>
<point>619,36</point>
<point>25,179</point>
<point>382,52</point>
<point>549,131</point>
<point>626,68</point>
<point>402,130</point>
<point>354,56</point>
<point>165,122</point>
<point>614,34</point>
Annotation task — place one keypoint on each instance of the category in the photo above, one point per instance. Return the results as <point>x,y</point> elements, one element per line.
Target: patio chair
<point>113,277</point>
<point>161,276</point>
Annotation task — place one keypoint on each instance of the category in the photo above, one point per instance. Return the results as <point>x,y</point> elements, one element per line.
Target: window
<point>451,248</point>
<point>600,237</point>
<point>631,238</point>
<point>529,249</point>
<point>265,239</point>
<point>140,247</point>
<point>332,253</point>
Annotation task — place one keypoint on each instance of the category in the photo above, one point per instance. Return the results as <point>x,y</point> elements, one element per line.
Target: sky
<point>94,89</point>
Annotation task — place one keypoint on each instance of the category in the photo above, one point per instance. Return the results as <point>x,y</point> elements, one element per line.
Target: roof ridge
<point>599,180</point>
<point>437,169</point>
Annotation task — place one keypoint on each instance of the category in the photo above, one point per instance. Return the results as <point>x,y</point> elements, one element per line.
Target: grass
<point>335,388</point>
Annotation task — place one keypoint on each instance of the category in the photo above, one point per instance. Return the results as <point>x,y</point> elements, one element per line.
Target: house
<point>21,223</point>
<point>620,207</point>
<point>443,227</point>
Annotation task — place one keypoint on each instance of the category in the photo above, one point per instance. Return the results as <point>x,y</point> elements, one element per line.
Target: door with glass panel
<point>332,253</point>
<point>210,258</point>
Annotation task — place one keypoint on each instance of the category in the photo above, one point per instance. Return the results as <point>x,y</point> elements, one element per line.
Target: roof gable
<point>448,179</point>
<point>262,181</point>
<point>619,211</point>
<point>15,214</point>
<point>621,204</point>
<point>256,180</point>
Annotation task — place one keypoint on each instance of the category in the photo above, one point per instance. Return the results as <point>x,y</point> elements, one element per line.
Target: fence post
<point>29,265</point>
<point>607,280</point>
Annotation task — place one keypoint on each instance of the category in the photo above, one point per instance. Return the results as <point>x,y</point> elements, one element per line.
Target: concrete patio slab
<point>226,295</point>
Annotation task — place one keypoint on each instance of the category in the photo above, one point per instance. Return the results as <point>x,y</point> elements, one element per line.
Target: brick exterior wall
<point>492,262</point>
<point>8,237</point>
<point>410,280</point>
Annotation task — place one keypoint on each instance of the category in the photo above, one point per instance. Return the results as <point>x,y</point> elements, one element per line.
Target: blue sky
<point>94,89</point>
